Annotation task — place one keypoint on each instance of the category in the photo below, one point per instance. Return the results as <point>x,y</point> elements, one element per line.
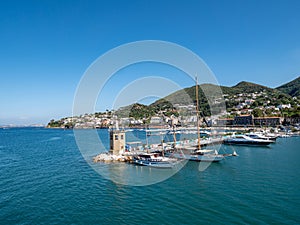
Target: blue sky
<point>46,46</point>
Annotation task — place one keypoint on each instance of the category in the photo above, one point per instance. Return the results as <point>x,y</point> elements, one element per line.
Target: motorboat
<point>261,136</point>
<point>246,140</point>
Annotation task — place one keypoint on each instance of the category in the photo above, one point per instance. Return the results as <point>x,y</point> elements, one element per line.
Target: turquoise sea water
<point>45,180</point>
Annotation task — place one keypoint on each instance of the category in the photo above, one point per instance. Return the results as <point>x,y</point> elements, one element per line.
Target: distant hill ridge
<point>292,88</point>
<point>212,90</point>
<point>249,87</point>
<point>208,93</point>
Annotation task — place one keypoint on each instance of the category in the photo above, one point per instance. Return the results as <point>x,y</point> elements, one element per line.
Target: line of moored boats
<point>168,156</point>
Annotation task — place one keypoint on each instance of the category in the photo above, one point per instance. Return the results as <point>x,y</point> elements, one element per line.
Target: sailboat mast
<point>174,135</point>
<point>197,113</point>
<point>161,134</point>
<point>147,143</point>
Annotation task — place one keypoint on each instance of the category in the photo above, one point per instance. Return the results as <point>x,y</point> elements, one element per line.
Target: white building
<point>156,120</point>
<point>284,106</point>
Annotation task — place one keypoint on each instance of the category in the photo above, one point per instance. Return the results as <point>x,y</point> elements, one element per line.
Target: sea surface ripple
<point>45,180</point>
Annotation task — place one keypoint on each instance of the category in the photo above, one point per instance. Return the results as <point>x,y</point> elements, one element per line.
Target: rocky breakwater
<point>106,157</point>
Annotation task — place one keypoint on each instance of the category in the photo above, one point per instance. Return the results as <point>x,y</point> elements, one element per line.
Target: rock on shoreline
<point>105,157</point>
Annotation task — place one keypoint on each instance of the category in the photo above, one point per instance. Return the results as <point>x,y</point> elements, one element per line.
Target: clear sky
<point>46,46</point>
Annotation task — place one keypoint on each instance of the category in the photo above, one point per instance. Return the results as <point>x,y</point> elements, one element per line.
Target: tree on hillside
<point>258,112</point>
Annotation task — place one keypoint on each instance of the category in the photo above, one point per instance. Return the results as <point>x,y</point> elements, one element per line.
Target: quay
<point>117,152</point>
<point>122,151</point>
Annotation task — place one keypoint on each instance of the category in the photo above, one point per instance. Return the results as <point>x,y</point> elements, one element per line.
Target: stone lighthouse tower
<point>117,141</point>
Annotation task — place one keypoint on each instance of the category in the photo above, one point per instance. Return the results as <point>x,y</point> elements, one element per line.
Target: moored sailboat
<point>196,153</point>
<point>154,160</point>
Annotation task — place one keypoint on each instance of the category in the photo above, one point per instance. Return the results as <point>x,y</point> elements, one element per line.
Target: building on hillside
<point>243,120</point>
<point>267,121</point>
<point>246,111</point>
<point>135,122</point>
<point>224,122</point>
<point>241,105</point>
<point>155,120</point>
<point>249,101</point>
<point>284,106</point>
<point>291,120</point>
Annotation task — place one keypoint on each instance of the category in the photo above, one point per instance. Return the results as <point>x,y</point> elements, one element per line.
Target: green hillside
<point>137,110</point>
<point>248,87</point>
<point>209,95</point>
<point>182,102</point>
<point>214,93</point>
<point>292,88</point>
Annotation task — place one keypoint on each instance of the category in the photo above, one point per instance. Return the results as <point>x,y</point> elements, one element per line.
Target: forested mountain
<point>292,88</point>
<point>210,94</point>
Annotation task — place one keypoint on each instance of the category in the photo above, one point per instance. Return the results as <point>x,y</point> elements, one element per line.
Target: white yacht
<point>246,140</point>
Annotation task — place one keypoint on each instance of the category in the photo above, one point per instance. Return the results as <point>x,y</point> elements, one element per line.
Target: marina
<point>150,112</point>
<point>185,147</point>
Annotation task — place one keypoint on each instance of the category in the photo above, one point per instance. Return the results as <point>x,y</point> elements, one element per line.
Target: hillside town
<point>244,109</point>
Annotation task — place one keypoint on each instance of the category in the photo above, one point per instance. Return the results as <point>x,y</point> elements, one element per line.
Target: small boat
<point>201,155</point>
<point>206,155</point>
<point>154,160</point>
<point>245,140</point>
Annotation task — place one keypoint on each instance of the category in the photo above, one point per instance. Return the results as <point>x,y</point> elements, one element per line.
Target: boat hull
<point>200,158</point>
<point>159,164</point>
<point>245,140</point>
<point>247,143</point>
